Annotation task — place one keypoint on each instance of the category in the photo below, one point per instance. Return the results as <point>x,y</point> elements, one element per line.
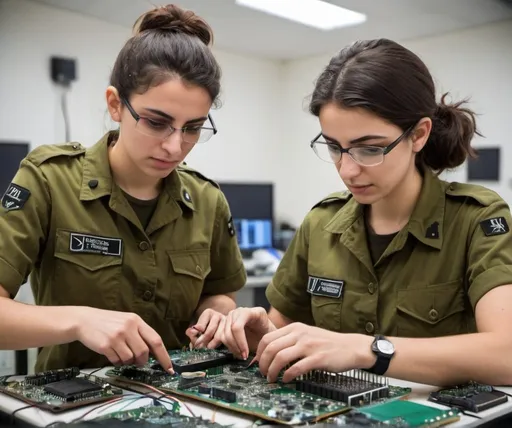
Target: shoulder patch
<point>495,226</point>
<point>15,197</point>
<point>186,169</point>
<point>337,197</point>
<point>479,194</point>
<point>43,153</point>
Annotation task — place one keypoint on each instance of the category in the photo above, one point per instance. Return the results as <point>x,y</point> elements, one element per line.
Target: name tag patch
<point>15,197</point>
<point>325,287</point>
<point>79,243</point>
<point>495,226</point>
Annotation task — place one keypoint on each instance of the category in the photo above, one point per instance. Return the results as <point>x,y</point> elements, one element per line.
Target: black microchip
<point>68,389</point>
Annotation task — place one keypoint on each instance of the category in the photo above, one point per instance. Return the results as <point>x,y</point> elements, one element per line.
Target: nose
<point>348,168</point>
<point>173,144</point>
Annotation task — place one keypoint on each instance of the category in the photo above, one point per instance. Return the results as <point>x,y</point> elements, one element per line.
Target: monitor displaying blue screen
<point>253,234</point>
<point>251,206</point>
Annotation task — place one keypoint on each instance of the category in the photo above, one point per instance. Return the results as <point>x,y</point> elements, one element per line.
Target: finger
<point>204,320</point>
<point>210,331</point>
<point>217,339</point>
<point>193,334</point>
<point>272,356</point>
<point>303,366</point>
<point>228,339</point>
<point>271,337</point>
<point>139,349</point>
<point>241,317</point>
<point>112,356</point>
<point>282,359</point>
<point>156,347</point>
<point>124,352</point>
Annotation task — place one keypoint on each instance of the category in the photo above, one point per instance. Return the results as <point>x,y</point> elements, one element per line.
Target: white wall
<point>29,102</point>
<point>475,62</point>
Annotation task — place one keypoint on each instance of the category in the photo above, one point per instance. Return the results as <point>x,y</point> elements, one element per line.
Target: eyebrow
<point>169,117</point>
<point>357,140</point>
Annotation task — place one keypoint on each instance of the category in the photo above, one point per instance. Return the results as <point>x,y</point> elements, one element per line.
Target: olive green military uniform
<point>456,247</point>
<point>65,221</point>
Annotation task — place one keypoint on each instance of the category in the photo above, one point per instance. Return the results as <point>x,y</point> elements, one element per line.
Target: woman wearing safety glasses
<point>405,274</point>
<point>125,246</point>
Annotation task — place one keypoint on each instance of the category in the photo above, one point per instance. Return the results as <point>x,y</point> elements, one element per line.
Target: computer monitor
<point>11,154</point>
<point>252,208</point>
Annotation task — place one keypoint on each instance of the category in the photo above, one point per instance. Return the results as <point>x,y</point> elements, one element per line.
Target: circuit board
<point>236,386</point>
<point>59,390</point>
<point>153,416</point>
<point>397,413</point>
<point>473,396</point>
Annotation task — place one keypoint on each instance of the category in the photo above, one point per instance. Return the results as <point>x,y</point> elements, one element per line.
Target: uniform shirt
<point>65,221</point>
<point>455,248</point>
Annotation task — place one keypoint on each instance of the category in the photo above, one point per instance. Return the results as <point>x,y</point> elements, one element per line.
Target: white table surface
<point>42,418</point>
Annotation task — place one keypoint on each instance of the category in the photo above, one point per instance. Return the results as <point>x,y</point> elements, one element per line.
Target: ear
<point>113,103</point>
<point>420,134</point>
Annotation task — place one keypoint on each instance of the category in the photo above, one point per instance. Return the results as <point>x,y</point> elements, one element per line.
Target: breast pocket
<point>326,312</point>
<point>84,279</point>
<point>433,311</point>
<point>188,270</point>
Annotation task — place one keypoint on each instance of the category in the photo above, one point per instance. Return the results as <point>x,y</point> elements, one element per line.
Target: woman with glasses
<point>126,247</point>
<point>405,274</point>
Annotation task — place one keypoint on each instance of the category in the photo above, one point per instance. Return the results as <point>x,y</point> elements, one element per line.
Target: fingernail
<point>268,379</point>
<point>244,355</point>
<point>171,371</point>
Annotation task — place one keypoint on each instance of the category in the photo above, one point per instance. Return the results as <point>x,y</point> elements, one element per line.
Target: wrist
<point>365,357</point>
<point>70,322</point>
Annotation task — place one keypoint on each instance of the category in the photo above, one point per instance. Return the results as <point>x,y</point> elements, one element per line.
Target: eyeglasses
<point>331,152</point>
<point>162,130</point>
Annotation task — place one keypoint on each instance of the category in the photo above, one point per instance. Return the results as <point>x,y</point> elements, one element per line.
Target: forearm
<point>452,360</point>
<point>25,326</point>
<point>222,303</point>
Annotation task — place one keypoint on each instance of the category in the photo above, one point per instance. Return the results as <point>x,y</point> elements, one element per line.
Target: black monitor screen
<point>11,154</point>
<point>251,206</point>
<point>486,167</point>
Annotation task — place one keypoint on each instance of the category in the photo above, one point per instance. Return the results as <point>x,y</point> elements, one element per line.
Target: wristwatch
<point>384,350</point>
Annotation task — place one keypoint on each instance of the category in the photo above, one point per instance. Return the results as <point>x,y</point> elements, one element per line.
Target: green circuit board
<point>221,380</point>
<point>397,413</point>
<point>59,390</point>
<point>152,415</point>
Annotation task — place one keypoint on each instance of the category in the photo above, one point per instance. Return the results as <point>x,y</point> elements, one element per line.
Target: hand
<point>244,328</point>
<point>207,332</point>
<point>308,348</point>
<point>124,338</point>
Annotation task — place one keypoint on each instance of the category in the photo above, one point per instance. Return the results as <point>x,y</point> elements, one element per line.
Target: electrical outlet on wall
<point>6,362</point>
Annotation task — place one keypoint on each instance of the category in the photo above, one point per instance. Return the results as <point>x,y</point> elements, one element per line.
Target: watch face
<point>385,346</point>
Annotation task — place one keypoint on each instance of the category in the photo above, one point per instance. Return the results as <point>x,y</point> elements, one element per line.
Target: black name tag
<point>79,243</point>
<point>325,287</point>
<point>15,197</point>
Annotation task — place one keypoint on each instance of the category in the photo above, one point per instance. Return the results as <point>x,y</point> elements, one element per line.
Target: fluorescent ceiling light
<point>314,13</point>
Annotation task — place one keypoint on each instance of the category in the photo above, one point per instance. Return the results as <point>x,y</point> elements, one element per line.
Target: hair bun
<point>173,19</point>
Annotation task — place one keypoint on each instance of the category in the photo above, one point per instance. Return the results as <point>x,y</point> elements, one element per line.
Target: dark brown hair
<point>392,82</point>
<point>169,42</point>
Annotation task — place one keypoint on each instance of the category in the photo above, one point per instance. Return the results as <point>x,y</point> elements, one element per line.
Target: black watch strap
<point>382,364</point>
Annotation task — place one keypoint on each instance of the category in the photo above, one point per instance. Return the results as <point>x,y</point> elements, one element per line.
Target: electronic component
<point>73,389</point>
<point>397,413</point>
<point>59,390</point>
<point>148,416</point>
<point>50,376</point>
<point>354,388</point>
<point>200,360</point>
<point>242,388</point>
<point>146,375</point>
<point>191,379</point>
<point>473,396</point>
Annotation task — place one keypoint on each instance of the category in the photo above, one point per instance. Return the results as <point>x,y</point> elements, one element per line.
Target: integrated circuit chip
<point>73,389</point>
